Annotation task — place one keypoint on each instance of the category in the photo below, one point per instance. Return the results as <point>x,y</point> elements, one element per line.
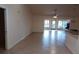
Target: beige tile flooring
<point>48,42</point>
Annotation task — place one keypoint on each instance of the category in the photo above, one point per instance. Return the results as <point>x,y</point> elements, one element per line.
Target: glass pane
<point>64,24</point>
<point>53,24</point>
<point>60,24</point>
<point>46,23</point>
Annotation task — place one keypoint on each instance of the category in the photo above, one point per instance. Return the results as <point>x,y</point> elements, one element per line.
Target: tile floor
<point>48,42</point>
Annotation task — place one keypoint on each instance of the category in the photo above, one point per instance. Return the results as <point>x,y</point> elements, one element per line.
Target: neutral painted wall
<point>18,23</point>
<point>74,23</point>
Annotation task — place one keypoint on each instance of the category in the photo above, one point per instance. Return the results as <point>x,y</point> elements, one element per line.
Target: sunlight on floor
<point>53,39</point>
<point>48,42</point>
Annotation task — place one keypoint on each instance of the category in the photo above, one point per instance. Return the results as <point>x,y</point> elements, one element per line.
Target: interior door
<point>2,29</point>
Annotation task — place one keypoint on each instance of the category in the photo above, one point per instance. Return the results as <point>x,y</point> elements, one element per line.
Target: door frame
<point>5,26</point>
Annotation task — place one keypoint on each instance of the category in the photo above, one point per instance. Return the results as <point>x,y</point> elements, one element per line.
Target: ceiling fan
<point>55,14</point>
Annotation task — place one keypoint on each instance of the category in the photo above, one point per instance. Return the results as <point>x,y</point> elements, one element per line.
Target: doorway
<point>2,28</point>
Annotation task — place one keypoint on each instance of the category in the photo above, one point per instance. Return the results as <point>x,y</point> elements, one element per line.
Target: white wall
<point>18,23</point>
<point>38,23</point>
<point>74,23</point>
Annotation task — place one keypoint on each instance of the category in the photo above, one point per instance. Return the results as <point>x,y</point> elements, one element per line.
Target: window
<point>46,23</point>
<point>60,24</point>
<point>53,24</point>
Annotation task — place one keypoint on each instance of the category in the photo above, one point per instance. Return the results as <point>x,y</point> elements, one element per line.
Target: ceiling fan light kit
<point>55,16</point>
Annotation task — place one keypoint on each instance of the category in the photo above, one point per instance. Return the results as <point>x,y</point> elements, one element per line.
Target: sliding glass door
<point>62,24</point>
<point>55,24</point>
<point>46,24</point>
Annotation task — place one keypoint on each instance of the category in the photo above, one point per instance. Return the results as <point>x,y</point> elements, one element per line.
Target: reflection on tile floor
<point>48,42</point>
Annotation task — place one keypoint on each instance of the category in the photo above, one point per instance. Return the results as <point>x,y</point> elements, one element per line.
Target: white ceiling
<point>48,9</point>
